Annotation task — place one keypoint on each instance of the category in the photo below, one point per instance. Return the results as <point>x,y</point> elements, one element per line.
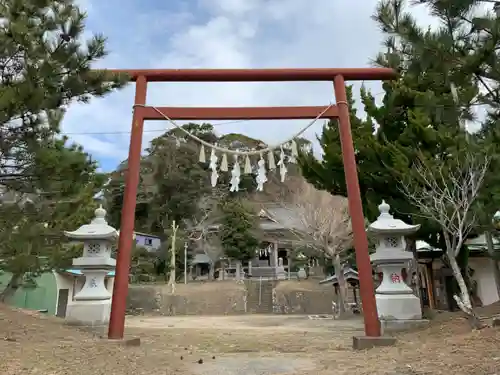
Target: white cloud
<point>230,34</point>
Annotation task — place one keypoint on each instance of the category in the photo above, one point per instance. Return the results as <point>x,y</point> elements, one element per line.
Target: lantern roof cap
<point>98,229</point>
<point>387,224</point>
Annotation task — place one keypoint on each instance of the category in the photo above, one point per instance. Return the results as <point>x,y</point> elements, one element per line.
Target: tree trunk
<point>339,272</point>
<point>463,301</point>
<point>211,271</point>
<point>493,260</point>
<point>11,287</point>
<point>238,270</point>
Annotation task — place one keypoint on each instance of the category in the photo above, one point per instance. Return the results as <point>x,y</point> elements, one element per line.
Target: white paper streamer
<point>213,166</point>
<point>235,175</point>
<point>282,165</point>
<point>223,163</point>
<point>261,178</point>
<point>248,166</point>
<point>202,154</point>
<point>270,160</point>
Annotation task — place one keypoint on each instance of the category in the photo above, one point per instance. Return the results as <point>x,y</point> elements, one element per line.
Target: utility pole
<point>185,262</point>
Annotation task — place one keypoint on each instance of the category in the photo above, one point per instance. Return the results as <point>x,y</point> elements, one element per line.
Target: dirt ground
<point>243,345</point>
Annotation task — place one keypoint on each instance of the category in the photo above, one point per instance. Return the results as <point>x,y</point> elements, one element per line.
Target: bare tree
<point>204,229</point>
<point>323,222</point>
<point>445,193</point>
<point>210,244</point>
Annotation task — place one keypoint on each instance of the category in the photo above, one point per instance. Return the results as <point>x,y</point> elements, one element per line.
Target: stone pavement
<point>253,365</point>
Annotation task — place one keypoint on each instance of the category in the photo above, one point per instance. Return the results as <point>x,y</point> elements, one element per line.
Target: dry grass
<point>443,348</point>
<point>42,345</point>
<point>45,346</point>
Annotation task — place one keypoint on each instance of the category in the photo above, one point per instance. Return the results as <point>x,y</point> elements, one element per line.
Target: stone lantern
<point>92,304</point>
<point>395,299</point>
<point>496,220</point>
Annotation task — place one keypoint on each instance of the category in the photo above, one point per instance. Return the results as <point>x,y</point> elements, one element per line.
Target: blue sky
<point>220,34</point>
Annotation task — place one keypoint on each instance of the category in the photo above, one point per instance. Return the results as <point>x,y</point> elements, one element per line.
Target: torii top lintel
<point>259,75</point>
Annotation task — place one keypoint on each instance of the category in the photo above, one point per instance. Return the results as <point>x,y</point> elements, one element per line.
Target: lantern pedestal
<point>91,305</point>
<point>89,313</point>
<point>395,299</point>
<point>398,306</point>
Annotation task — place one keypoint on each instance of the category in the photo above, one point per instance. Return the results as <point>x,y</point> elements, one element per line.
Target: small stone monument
<point>395,299</point>
<point>92,304</point>
<point>301,273</point>
<point>280,270</point>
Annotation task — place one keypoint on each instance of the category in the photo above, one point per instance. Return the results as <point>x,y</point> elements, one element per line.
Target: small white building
<point>150,242</point>
<point>437,278</point>
<point>482,269</point>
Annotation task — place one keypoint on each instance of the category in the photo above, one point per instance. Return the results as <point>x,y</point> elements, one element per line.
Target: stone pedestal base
<point>390,326</point>
<point>89,313</point>
<point>301,274</point>
<point>280,273</point>
<point>398,306</point>
<point>365,342</point>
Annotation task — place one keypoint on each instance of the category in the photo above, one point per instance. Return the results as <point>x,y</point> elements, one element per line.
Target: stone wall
<point>302,297</point>
<point>211,298</point>
<point>230,298</point>
<point>143,299</point>
<point>303,302</point>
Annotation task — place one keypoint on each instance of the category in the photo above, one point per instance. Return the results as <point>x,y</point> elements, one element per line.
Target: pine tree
<point>44,66</point>
<point>420,118</point>
<point>238,230</point>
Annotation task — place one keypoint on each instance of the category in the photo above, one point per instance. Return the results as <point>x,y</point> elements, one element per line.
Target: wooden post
<point>367,291</point>
<point>185,263</point>
<point>171,281</point>
<point>120,287</point>
<point>430,285</point>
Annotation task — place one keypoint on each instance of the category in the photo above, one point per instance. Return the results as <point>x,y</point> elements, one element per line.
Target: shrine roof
<point>279,218</point>
<point>349,274</point>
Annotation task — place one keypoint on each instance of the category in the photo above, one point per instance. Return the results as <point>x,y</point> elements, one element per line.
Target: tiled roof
<point>280,218</point>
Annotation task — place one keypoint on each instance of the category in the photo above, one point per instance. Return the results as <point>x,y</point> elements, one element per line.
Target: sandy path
<point>290,323</point>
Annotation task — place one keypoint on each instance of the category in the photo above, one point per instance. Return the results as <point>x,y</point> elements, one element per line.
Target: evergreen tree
<point>31,232</point>
<point>419,117</point>
<point>460,54</point>
<point>44,66</point>
<point>424,112</point>
<point>238,230</point>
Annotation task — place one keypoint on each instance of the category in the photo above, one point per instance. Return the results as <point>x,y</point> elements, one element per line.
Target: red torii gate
<point>340,111</point>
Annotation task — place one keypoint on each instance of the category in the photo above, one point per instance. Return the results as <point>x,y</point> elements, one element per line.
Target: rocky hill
<point>175,184</point>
